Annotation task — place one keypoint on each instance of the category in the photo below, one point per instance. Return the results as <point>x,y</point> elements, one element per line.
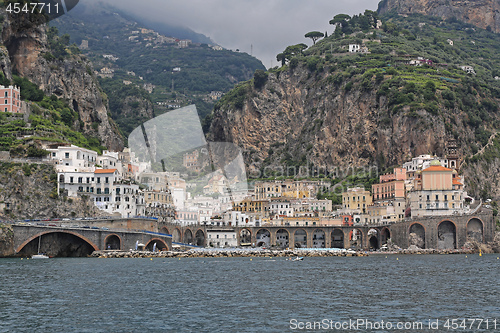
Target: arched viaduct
<point>57,241</point>
<point>451,232</point>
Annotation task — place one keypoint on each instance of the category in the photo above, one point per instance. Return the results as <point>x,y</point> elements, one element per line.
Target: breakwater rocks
<point>227,253</point>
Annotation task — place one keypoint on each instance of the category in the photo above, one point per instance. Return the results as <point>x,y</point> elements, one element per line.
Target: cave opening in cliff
<point>58,244</point>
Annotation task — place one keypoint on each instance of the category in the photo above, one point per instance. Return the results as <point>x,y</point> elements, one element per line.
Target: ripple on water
<point>236,294</point>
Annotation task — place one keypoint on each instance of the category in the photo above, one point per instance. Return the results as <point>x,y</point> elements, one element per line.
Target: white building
<point>437,191</point>
<point>422,162</point>
<point>73,156</point>
<point>281,208</point>
<point>106,188</point>
<point>223,238</point>
<point>354,48</point>
<point>468,69</point>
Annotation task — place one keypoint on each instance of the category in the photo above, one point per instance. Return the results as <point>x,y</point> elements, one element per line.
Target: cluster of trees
<point>291,52</point>
<point>60,47</point>
<point>347,25</point>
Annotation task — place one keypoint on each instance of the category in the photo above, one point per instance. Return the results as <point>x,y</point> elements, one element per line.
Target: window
<point>117,191</point>
<point>71,180</point>
<point>437,197</point>
<point>66,155</point>
<point>88,180</point>
<point>106,190</point>
<point>107,180</point>
<point>80,180</point>
<point>6,102</point>
<point>6,95</point>
<point>98,180</point>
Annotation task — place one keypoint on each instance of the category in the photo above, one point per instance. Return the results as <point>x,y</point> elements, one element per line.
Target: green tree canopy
<point>314,35</point>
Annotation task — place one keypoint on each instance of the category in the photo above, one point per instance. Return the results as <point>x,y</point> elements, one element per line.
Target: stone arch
<point>30,246</point>
<point>199,238</point>
<point>112,242</point>
<point>263,237</point>
<point>300,238</point>
<point>61,178</point>
<point>337,238</point>
<point>161,245</point>
<point>475,230</point>
<point>416,236</point>
<point>177,235</point>
<point>164,230</point>
<point>447,235</point>
<point>245,237</point>
<point>319,238</point>
<point>188,237</point>
<point>282,238</point>
<point>356,238</point>
<point>385,235</point>
<point>373,239</point>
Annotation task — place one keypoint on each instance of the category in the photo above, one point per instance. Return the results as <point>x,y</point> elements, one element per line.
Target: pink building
<point>10,99</point>
<point>391,186</point>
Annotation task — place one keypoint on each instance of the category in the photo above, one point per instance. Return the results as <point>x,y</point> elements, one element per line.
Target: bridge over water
<point>77,241</point>
<point>444,232</point>
<point>450,232</point>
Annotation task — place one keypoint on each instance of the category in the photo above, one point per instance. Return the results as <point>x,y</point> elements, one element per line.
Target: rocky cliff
<point>25,53</point>
<point>299,119</point>
<point>29,191</point>
<point>6,240</point>
<point>328,108</point>
<point>481,13</point>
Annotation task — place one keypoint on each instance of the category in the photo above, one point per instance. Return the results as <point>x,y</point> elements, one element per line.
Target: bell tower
<point>452,154</point>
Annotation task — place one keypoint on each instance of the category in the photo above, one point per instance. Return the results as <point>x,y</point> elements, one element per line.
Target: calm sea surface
<point>243,295</point>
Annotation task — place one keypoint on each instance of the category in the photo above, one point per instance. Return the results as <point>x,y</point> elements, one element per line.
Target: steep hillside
<point>484,14</point>
<point>328,108</point>
<point>29,191</point>
<point>141,59</point>
<point>39,55</point>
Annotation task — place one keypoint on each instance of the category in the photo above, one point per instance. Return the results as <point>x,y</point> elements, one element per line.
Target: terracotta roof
<point>436,168</point>
<point>456,182</point>
<point>105,171</point>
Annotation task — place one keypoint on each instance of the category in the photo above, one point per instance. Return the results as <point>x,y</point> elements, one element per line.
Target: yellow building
<point>287,188</point>
<point>356,199</point>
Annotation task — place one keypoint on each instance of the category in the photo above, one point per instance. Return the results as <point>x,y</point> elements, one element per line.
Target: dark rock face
<point>72,79</point>
<point>300,119</point>
<point>6,241</point>
<point>481,13</point>
<point>35,195</point>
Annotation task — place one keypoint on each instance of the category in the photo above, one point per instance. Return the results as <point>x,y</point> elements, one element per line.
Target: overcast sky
<point>269,25</point>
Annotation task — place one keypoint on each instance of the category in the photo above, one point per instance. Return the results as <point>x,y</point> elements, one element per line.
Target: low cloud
<point>261,27</point>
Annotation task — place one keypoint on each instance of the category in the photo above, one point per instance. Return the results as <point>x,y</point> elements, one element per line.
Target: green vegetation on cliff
<point>145,57</point>
<point>417,83</point>
<point>51,120</point>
